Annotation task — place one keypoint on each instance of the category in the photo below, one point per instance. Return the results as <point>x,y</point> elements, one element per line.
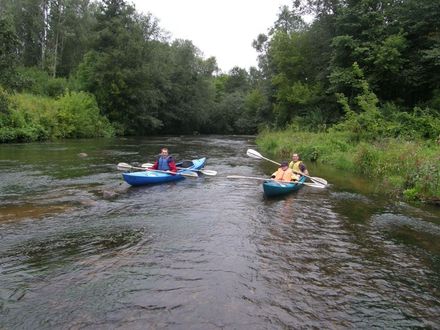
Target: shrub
<point>78,117</point>
<point>38,82</point>
<point>365,158</point>
<point>31,118</point>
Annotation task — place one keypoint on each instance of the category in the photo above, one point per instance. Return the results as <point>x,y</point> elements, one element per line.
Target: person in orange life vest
<point>298,166</point>
<point>284,173</point>
<point>164,162</point>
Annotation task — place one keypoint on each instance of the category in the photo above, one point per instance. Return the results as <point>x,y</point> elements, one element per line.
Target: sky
<point>224,29</point>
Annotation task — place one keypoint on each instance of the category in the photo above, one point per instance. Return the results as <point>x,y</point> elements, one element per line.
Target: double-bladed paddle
<point>314,185</point>
<point>255,154</point>
<point>126,167</point>
<point>203,171</point>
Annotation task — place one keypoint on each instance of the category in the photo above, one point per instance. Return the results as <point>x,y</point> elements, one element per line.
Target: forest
<point>358,88</point>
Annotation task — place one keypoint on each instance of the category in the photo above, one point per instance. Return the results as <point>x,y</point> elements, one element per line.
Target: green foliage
<point>365,158</point>
<point>38,82</point>
<point>343,51</point>
<point>410,194</point>
<point>256,106</point>
<point>78,117</point>
<point>389,54</point>
<point>365,122</point>
<point>419,124</point>
<point>190,92</point>
<point>19,125</point>
<point>8,53</point>
<point>315,120</point>
<point>238,107</point>
<point>32,118</point>
<point>4,102</point>
<point>369,67</point>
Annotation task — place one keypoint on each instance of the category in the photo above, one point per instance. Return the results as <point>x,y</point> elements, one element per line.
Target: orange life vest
<point>286,175</point>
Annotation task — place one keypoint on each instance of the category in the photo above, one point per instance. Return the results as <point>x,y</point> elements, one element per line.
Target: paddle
<point>314,185</point>
<point>255,154</point>
<point>125,167</point>
<point>203,171</point>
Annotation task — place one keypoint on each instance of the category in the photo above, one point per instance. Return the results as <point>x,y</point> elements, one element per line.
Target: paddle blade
<point>254,154</point>
<point>188,173</point>
<point>319,180</point>
<point>147,165</point>
<point>314,185</point>
<point>124,167</point>
<point>208,172</point>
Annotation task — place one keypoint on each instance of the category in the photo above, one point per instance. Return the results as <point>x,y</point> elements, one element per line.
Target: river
<point>81,249</point>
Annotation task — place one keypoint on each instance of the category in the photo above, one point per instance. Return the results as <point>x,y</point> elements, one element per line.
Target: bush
<point>78,117</point>
<point>38,82</point>
<point>366,158</point>
<point>32,118</point>
<point>4,101</point>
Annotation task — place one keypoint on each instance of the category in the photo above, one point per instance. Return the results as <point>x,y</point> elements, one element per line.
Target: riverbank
<point>407,169</point>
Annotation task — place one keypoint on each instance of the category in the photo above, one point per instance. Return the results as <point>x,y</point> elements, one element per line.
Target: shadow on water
<point>79,248</point>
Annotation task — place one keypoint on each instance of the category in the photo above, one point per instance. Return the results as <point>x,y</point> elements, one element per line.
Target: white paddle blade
<point>254,154</point>
<point>319,180</point>
<point>123,167</point>
<point>147,164</point>
<point>208,172</point>
<point>187,173</point>
<point>314,185</point>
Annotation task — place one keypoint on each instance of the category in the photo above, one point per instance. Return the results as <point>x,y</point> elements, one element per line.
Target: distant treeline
<point>78,68</point>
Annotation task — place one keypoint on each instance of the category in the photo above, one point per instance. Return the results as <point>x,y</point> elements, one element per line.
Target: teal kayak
<point>275,188</point>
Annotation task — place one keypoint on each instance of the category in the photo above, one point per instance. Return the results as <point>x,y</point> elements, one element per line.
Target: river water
<point>81,249</point>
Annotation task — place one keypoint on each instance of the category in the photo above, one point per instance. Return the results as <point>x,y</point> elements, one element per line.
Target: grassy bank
<point>408,169</point>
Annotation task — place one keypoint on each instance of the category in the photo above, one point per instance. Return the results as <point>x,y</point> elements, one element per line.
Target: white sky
<point>224,29</point>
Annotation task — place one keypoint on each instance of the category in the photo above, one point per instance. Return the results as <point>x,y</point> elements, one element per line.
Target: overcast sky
<point>222,28</point>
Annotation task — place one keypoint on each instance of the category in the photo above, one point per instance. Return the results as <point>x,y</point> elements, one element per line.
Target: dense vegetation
<point>359,87</point>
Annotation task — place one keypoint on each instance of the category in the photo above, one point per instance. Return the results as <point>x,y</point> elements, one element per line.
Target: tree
<point>68,36</point>
<point>190,92</point>
<point>8,53</point>
<point>116,71</point>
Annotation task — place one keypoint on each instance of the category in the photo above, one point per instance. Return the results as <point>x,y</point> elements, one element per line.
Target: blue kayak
<point>275,188</point>
<point>152,177</point>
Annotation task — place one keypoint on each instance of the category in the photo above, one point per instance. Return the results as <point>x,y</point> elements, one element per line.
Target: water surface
<point>81,249</point>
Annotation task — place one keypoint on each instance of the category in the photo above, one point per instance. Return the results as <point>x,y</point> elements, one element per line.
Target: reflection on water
<point>79,248</point>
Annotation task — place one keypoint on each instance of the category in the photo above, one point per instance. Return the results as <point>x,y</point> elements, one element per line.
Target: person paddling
<point>284,173</point>
<point>298,166</point>
<point>164,162</point>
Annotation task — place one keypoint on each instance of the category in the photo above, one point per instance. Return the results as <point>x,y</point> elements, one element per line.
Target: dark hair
<point>284,163</point>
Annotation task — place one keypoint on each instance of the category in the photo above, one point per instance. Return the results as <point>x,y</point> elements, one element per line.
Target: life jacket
<point>286,175</point>
<point>163,163</point>
<point>295,168</point>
